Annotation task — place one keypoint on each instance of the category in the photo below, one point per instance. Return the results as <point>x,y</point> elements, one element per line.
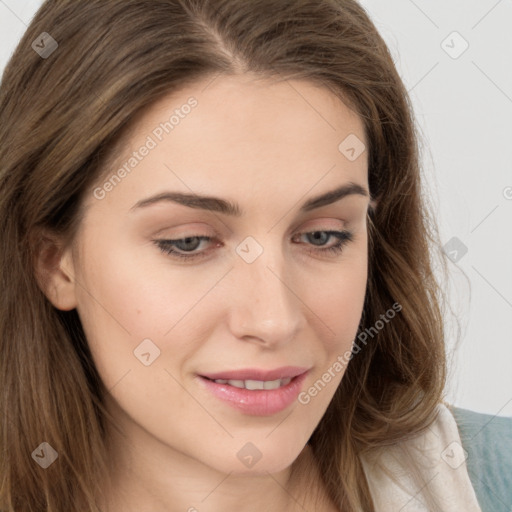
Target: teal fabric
<point>487,440</point>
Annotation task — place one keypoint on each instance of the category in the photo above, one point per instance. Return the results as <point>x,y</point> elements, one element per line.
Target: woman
<point>216,270</point>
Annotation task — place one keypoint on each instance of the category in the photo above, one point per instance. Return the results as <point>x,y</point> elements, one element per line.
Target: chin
<point>260,458</point>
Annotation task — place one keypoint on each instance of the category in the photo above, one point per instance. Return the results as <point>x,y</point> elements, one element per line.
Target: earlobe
<point>55,273</point>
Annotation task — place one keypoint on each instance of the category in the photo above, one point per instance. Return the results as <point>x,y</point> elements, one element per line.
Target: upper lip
<point>257,374</point>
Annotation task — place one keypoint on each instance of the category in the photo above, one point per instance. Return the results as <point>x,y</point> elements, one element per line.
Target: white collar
<point>401,476</point>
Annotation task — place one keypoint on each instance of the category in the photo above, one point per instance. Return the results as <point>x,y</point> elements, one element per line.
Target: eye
<point>320,238</point>
<point>187,245</point>
<point>187,248</point>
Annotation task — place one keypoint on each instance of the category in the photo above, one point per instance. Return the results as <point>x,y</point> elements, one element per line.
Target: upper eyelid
<point>193,231</point>
<point>216,236</point>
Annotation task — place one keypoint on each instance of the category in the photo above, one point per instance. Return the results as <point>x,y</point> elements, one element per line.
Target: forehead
<point>253,109</point>
<point>239,133</point>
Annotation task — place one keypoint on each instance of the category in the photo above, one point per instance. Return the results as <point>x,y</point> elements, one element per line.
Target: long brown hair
<point>60,118</point>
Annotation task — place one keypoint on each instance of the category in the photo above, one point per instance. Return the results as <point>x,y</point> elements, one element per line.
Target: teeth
<point>256,384</point>
<point>272,384</point>
<point>236,383</point>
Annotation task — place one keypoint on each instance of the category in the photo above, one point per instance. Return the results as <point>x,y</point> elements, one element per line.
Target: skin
<point>269,147</point>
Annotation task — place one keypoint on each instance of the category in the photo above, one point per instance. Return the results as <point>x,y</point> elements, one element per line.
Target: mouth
<point>257,374</point>
<point>250,392</point>
<point>254,384</point>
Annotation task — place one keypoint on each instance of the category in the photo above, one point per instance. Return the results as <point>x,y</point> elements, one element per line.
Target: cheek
<point>337,309</point>
<point>121,303</point>
<point>338,300</point>
<point>344,305</point>
<point>126,300</point>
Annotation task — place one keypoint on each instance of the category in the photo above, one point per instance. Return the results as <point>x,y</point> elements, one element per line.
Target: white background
<point>463,104</point>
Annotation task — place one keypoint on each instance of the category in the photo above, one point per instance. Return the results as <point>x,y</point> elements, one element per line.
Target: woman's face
<point>257,293</point>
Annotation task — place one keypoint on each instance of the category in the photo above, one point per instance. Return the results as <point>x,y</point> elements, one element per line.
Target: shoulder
<point>424,472</point>
<point>487,441</point>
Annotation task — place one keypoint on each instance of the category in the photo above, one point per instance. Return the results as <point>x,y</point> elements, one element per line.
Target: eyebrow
<point>216,204</point>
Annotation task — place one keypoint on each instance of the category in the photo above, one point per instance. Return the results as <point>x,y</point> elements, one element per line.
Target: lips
<point>256,391</point>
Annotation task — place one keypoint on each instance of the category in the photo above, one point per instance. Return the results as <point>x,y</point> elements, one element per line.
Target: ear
<point>55,272</point>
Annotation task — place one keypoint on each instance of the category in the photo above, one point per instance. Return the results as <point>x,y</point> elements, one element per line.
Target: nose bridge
<point>264,305</point>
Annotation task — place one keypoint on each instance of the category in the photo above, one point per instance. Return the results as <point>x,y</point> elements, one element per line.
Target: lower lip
<point>259,402</point>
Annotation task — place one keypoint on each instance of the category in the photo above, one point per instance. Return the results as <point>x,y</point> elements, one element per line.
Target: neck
<point>158,477</point>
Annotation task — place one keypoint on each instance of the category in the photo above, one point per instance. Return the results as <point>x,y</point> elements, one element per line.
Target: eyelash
<point>166,246</point>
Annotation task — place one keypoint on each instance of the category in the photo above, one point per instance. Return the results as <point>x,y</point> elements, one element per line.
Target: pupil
<point>188,241</point>
<point>319,235</point>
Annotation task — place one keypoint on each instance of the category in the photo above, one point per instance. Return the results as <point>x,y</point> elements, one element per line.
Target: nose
<point>265,307</point>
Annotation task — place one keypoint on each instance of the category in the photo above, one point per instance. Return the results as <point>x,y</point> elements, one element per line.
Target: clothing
<point>433,464</point>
